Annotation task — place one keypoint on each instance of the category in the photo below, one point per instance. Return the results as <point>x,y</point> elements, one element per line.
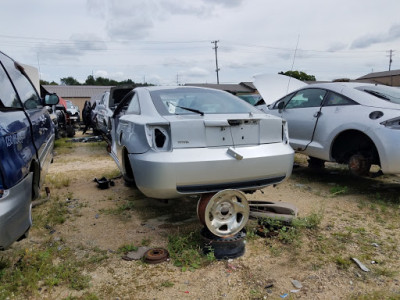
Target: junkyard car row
<point>172,142</point>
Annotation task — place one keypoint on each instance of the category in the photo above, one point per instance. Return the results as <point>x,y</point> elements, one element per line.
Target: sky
<point>170,42</point>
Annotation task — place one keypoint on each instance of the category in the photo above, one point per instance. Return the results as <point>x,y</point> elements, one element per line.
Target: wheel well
<point>35,169</point>
<point>126,164</point>
<point>352,142</point>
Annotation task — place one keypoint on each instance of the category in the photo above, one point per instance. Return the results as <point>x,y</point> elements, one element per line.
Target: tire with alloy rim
<point>224,213</point>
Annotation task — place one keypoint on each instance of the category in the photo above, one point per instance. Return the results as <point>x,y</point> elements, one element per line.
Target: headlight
<point>392,123</point>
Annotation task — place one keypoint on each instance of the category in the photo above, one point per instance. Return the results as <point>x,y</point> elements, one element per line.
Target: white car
<point>351,123</point>
<point>176,141</point>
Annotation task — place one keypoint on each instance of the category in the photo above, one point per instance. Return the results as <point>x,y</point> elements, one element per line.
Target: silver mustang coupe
<point>351,123</point>
<point>176,141</point>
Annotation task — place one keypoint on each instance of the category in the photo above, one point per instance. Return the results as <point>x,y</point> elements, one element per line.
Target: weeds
<point>34,269</point>
<point>58,180</point>
<point>185,251</point>
<point>338,190</point>
<point>127,248</point>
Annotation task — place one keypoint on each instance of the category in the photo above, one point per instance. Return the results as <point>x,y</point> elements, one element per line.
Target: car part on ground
<point>223,247</point>
<point>156,256</point>
<point>282,211</point>
<point>349,123</point>
<point>224,213</point>
<point>104,183</point>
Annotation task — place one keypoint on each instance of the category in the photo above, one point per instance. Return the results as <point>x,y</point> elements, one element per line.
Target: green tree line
<point>90,80</point>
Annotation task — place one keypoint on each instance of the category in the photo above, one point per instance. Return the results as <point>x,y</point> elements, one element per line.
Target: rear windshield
<point>387,93</point>
<point>184,101</point>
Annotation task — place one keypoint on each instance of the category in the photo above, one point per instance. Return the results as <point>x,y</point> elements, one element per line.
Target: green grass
<point>127,248</point>
<point>31,269</point>
<point>185,251</point>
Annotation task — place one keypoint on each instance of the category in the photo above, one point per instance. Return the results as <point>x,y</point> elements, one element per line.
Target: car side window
<point>134,107</point>
<point>284,99</point>
<point>307,98</point>
<point>25,89</point>
<point>8,97</point>
<point>333,99</point>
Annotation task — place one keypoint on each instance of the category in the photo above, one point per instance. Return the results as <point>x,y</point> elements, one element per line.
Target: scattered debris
<point>284,295</point>
<point>135,255</point>
<point>297,284</point>
<point>97,138</point>
<point>104,183</point>
<point>156,256</point>
<point>294,291</point>
<point>276,210</point>
<point>360,264</point>
<point>375,245</point>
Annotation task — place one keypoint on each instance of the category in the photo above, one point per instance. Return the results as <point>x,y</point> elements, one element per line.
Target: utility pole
<point>390,58</point>
<point>216,59</point>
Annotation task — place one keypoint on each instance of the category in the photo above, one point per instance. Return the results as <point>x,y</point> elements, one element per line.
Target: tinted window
<point>134,107</point>
<point>307,98</point>
<point>25,90</point>
<point>189,100</point>
<point>8,97</point>
<point>333,99</point>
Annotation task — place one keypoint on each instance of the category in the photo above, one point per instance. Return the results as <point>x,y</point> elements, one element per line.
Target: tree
<point>69,81</point>
<point>44,82</point>
<point>299,75</point>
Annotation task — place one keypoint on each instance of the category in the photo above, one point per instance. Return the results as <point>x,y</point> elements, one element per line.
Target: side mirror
<point>281,106</point>
<point>51,99</point>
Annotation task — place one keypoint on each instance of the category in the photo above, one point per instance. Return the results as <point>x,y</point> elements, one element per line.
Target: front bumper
<point>15,212</point>
<point>180,172</point>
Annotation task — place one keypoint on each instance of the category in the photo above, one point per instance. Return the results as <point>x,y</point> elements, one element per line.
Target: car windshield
<point>69,104</point>
<point>388,93</point>
<point>183,101</point>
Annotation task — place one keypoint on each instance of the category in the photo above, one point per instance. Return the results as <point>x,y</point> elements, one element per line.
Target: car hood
<point>272,87</point>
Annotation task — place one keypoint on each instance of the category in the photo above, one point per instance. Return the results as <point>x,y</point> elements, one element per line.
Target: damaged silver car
<point>177,141</point>
<point>350,123</point>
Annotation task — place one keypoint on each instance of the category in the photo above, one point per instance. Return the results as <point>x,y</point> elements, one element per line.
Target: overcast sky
<point>170,41</point>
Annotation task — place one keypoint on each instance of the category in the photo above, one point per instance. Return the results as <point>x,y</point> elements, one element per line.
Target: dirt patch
<point>360,218</point>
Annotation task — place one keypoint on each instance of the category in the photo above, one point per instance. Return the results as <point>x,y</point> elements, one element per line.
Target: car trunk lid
<point>224,130</point>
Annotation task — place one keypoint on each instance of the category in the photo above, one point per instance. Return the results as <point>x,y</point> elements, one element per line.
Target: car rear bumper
<point>172,174</point>
<point>15,212</point>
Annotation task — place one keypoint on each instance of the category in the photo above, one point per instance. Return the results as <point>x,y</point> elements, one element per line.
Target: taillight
<point>158,137</point>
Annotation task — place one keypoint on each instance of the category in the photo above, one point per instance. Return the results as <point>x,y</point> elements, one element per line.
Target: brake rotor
<point>155,255</point>
<point>359,165</point>
<point>224,213</point>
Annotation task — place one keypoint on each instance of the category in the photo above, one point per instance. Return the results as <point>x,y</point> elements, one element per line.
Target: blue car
<point>26,145</point>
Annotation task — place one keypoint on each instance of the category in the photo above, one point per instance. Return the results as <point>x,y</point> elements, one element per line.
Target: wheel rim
<point>225,213</point>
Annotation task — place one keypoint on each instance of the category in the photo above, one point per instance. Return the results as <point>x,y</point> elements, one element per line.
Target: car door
<point>16,149</point>
<point>302,111</point>
<point>33,105</point>
<point>336,110</point>
<point>118,126</point>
